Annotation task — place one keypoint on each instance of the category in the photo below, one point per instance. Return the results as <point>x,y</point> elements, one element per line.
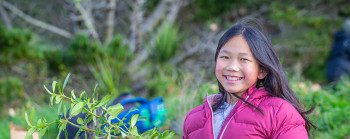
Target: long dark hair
<point>275,81</point>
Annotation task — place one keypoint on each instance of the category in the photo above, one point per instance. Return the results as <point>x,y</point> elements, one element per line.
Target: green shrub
<point>332,107</point>
<point>110,69</point>
<point>16,44</point>
<point>83,50</point>
<point>166,43</point>
<point>118,50</point>
<point>55,57</point>
<point>99,119</point>
<point>11,92</point>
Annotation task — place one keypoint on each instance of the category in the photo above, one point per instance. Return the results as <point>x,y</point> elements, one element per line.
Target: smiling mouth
<point>233,78</point>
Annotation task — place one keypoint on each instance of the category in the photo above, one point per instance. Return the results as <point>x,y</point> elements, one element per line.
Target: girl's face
<point>236,67</point>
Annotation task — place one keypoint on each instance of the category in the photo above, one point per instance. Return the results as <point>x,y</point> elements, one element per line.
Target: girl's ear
<point>262,73</point>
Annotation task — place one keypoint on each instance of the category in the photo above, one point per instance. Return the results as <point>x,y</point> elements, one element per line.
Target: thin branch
<point>88,20</point>
<point>110,20</point>
<point>36,22</point>
<point>5,17</point>
<point>155,17</point>
<point>136,20</point>
<point>174,10</point>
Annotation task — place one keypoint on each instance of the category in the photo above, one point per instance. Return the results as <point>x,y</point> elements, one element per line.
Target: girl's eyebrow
<point>224,51</point>
<point>245,54</point>
<point>242,53</point>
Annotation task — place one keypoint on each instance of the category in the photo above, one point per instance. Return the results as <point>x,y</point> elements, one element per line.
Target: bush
<point>16,44</point>
<point>332,107</point>
<point>83,50</point>
<point>128,130</point>
<point>166,43</point>
<point>110,69</point>
<point>11,92</point>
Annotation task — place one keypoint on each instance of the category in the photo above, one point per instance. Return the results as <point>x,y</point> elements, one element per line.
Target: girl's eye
<point>224,57</point>
<point>244,59</point>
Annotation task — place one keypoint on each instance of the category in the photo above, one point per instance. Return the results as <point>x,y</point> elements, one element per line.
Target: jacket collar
<point>251,94</point>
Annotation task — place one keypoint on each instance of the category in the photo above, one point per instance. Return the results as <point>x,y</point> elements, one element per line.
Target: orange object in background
<point>18,132</point>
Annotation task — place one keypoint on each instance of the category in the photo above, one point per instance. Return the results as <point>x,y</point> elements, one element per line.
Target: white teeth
<point>232,78</point>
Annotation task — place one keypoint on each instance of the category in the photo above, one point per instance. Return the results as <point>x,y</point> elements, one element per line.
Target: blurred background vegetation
<point>161,48</point>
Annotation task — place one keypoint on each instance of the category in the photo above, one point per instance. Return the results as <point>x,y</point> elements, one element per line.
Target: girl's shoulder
<point>196,112</point>
<point>281,111</point>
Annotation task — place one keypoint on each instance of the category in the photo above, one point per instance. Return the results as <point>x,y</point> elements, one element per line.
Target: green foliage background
<point>301,32</point>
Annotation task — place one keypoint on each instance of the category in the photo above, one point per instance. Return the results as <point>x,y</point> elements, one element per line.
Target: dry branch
<point>88,20</point>
<point>36,22</point>
<point>110,20</point>
<point>5,18</point>
<point>136,20</point>
<point>155,17</point>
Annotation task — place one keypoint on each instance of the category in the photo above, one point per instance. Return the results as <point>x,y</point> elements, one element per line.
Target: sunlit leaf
<point>170,135</point>
<point>77,108</point>
<point>80,121</point>
<point>47,90</point>
<point>58,99</point>
<point>54,86</point>
<point>65,81</point>
<point>72,94</point>
<point>133,120</point>
<point>30,132</point>
<point>104,100</point>
<point>42,132</point>
<point>27,119</point>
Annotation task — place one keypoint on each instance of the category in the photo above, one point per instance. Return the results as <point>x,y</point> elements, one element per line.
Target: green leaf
<point>115,110</point>
<point>27,120</point>
<point>93,95</point>
<point>41,125</point>
<point>58,121</point>
<point>38,122</point>
<point>47,90</point>
<point>42,132</point>
<point>61,128</point>
<point>146,133</point>
<point>54,86</point>
<point>77,108</point>
<point>65,81</point>
<point>170,135</point>
<point>142,118</point>
<point>58,99</point>
<point>165,133</point>
<point>94,118</point>
<point>82,94</point>
<point>65,134</point>
<point>78,99</point>
<point>133,120</point>
<point>59,89</point>
<point>89,119</point>
<point>80,121</point>
<point>85,97</point>
<point>72,94</point>
<point>59,110</point>
<point>30,132</point>
<point>103,101</point>
<point>51,100</point>
<point>123,134</point>
<point>64,111</point>
<point>134,131</point>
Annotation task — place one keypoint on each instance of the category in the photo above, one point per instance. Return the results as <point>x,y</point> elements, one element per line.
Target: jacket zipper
<point>212,116</point>
<point>223,131</point>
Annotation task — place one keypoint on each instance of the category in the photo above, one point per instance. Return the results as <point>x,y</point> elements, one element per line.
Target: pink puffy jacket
<point>280,120</point>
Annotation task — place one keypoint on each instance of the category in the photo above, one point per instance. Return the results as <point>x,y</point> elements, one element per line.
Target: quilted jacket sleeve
<point>184,129</point>
<point>289,123</point>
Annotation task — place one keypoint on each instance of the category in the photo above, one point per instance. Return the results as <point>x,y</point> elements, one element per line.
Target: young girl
<point>254,100</point>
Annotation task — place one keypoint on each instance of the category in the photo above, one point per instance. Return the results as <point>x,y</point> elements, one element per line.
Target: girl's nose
<point>232,68</point>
